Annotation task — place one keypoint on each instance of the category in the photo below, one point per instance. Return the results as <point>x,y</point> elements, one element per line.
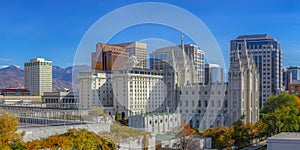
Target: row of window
<point>205,93</point>
<point>38,64</point>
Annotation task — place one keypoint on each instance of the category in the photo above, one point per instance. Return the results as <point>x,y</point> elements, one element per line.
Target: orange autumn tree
<point>185,135</point>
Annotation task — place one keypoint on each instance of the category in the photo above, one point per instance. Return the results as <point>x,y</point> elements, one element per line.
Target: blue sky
<point>53,29</point>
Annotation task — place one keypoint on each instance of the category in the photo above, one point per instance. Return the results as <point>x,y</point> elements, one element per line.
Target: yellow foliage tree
<point>221,136</point>
<point>79,139</point>
<point>8,131</point>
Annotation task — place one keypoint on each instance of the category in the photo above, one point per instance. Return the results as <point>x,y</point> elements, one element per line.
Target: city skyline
<point>53,29</point>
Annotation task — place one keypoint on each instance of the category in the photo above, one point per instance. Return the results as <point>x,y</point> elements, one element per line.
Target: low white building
<point>126,91</point>
<point>95,89</point>
<point>138,90</point>
<point>140,143</point>
<point>156,122</point>
<point>170,141</point>
<point>203,106</point>
<point>284,140</point>
<point>60,97</point>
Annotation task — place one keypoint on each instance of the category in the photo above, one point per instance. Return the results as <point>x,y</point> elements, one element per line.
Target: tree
<point>252,131</point>
<point>73,139</point>
<point>221,137</point>
<point>9,137</point>
<point>281,113</point>
<point>261,129</point>
<point>99,111</point>
<point>240,133</point>
<point>117,116</point>
<point>185,136</point>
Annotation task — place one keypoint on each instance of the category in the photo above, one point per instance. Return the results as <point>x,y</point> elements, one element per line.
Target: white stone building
<point>243,88</point>
<point>267,55</point>
<point>158,123</point>
<point>38,76</point>
<point>123,90</point>
<point>138,90</point>
<point>61,99</point>
<point>182,65</point>
<point>95,89</point>
<point>203,106</point>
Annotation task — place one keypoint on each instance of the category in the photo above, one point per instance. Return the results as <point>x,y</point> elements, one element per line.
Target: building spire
<point>237,53</point>
<point>245,50</point>
<point>173,60</point>
<point>182,40</point>
<point>182,49</point>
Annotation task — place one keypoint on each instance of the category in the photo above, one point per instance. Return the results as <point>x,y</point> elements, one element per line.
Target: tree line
<point>281,113</point>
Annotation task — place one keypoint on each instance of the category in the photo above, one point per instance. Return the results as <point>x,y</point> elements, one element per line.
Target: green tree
<point>261,129</point>
<point>221,137</point>
<point>240,133</point>
<point>9,137</point>
<point>117,116</point>
<point>99,111</point>
<point>281,113</point>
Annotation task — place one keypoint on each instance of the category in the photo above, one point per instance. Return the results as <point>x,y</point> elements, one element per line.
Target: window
<point>234,104</point>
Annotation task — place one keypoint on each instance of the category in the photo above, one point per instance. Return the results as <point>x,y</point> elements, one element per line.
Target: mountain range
<point>13,76</point>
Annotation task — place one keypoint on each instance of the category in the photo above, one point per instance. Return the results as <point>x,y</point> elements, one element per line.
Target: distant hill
<point>13,76</point>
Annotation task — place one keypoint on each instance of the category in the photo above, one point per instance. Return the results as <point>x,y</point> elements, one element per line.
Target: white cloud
<point>4,59</point>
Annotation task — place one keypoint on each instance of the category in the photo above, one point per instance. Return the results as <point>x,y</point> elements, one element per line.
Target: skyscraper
<point>109,57</point>
<point>268,59</point>
<point>113,56</point>
<point>295,71</point>
<point>38,76</point>
<point>213,73</point>
<point>243,87</point>
<point>138,50</point>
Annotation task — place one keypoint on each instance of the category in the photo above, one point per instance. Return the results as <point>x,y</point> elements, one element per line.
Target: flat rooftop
<point>286,136</point>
